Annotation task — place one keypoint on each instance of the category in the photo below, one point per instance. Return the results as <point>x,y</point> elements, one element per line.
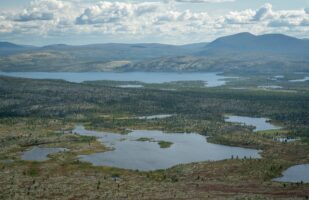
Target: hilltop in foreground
<point>43,113</point>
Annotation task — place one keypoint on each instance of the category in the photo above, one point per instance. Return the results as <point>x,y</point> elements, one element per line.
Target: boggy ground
<point>43,113</point>
<point>64,177</point>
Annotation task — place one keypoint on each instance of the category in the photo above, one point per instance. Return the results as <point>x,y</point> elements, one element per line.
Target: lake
<point>131,86</point>
<point>260,124</point>
<point>140,150</point>
<point>297,173</point>
<point>277,78</point>
<point>161,116</point>
<point>40,154</point>
<point>270,87</point>
<point>300,80</point>
<point>210,79</point>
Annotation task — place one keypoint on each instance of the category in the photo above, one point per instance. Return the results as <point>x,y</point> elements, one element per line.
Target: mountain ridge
<point>248,43</point>
<point>240,51</point>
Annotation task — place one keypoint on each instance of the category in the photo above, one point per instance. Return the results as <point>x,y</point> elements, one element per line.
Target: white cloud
<point>42,17</point>
<point>140,18</point>
<point>5,26</point>
<point>41,10</point>
<point>266,17</point>
<point>263,13</point>
<point>250,16</point>
<point>151,21</point>
<point>290,18</point>
<point>282,23</point>
<point>305,22</point>
<point>240,17</point>
<point>108,12</point>
<point>204,1</point>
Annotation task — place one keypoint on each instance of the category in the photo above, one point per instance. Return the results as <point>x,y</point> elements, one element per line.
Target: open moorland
<point>43,113</point>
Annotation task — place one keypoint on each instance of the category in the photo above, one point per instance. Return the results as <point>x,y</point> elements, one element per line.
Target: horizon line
<point>136,43</point>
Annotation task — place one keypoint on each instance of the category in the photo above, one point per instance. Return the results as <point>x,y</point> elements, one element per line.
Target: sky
<point>44,22</point>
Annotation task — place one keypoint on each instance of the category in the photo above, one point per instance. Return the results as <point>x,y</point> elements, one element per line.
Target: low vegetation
<point>161,143</point>
<point>165,144</point>
<point>44,112</point>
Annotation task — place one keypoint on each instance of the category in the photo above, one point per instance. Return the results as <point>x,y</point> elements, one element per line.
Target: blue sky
<point>42,22</point>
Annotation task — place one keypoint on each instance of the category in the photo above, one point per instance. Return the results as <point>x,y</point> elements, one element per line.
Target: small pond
<point>141,149</point>
<point>297,173</point>
<point>131,86</point>
<point>270,87</point>
<point>162,116</point>
<point>300,80</point>
<point>276,78</point>
<point>260,124</point>
<point>40,154</point>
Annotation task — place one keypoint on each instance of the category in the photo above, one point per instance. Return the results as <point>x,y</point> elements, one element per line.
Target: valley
<point>154,100</point>
<point>43,113</point>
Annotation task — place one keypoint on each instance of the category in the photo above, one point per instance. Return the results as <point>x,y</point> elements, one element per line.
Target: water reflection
<point>130,153</point>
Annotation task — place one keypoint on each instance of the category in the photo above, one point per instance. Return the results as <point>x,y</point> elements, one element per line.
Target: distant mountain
<point>93,57</point>
<point>239,52</point>
<point>243,52</point>
<point>56,46</point>
<point>9,45</point>
<point>247,43</point>
<point>7,48</point>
